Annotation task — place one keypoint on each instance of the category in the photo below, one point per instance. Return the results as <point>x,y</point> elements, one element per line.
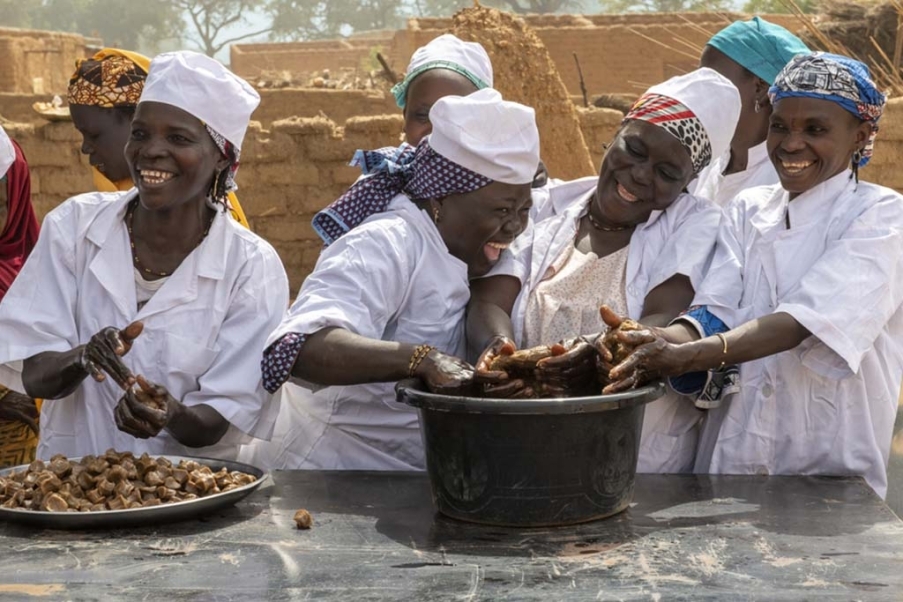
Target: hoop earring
<point>436,219</point>
<point>215,192</point>
<point>758,106</point>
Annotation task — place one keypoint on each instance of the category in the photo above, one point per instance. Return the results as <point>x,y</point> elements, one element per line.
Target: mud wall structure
<point>38,62</point>
<point>619,54</point>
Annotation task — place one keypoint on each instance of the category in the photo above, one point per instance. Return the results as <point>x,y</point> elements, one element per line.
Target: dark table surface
<point>377,537</point>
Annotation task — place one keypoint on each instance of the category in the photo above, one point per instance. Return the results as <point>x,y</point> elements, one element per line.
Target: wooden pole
<point>390,75</point>
<point>582,83</point>
<point>898,48</point>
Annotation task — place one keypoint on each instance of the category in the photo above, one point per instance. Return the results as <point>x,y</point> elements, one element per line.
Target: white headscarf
<point>447,52</point>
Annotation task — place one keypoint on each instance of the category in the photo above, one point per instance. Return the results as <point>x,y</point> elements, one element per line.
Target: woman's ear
<point>762,94</point>
<point>222,163</point>
<point>863,132</point>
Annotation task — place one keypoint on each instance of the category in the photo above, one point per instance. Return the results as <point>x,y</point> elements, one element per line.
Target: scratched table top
<point>377,537</point>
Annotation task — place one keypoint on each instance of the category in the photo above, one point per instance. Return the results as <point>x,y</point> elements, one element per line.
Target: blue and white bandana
<point>419,172</point>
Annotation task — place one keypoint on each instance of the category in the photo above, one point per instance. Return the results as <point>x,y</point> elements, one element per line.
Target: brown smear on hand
<point>524,72</point>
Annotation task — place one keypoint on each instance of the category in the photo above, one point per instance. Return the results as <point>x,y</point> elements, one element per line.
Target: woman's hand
<point>144,412</point>
<point>652,357</point>
<point>445,374</point>
<point>100,356</point>
<point>497,383</point>
<point>572,373</point>
<point>15,406</point>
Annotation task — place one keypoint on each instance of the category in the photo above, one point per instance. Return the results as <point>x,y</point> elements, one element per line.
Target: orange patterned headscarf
<point>111,78</point>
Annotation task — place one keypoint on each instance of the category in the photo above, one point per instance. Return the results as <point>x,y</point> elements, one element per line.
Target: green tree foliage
<point>210,20</point>
<point>139,25</point>
<point>779,6</point>
<point>663,6</point>
<point>322,19</point>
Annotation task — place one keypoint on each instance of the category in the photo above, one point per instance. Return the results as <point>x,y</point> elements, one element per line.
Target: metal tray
<point>139,517</point>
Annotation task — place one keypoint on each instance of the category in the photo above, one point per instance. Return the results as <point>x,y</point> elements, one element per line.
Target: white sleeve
<point>38,312</point>
<point>358,284</point>
<point>721,289</point>
<point>232,385</point>
<point>848,296</point>
<point>690,243</point>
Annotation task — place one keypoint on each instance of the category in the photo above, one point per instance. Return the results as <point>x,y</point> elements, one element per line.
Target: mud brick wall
<point>38,61</point>
<point>250,60</point>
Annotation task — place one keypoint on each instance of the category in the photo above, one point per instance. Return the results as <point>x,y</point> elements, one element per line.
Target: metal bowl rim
<point>408,394</point>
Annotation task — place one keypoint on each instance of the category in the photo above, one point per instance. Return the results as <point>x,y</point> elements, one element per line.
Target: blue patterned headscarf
<point>837,78</point>
<point>419,172</point>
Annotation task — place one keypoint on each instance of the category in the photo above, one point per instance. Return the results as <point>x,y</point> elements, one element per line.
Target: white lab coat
<point>393,279</point>
<point>827,406</point>
<point>204,329</point>
<point>679,240</point>
<point>712,184</point>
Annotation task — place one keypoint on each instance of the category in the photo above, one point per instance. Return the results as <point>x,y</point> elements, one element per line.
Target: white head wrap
<point>712,99</point>
<point>203,87</point>
<point>447,52</point>
<point>495,138</point>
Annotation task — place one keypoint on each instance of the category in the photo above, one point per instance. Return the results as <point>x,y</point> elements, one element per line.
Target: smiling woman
<point>805,293</point>
<point>386,300</point>
<point>103,94</point>
<point>192,294</point>
<point>630,238</point>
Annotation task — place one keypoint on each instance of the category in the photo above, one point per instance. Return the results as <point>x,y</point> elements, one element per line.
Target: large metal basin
<point>536,462</point>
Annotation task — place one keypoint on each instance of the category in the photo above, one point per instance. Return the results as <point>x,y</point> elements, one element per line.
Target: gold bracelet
<point>723,338</point>
<point>420,353</point>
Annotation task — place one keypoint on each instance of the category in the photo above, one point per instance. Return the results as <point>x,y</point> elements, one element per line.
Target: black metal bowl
<point>531,462</point>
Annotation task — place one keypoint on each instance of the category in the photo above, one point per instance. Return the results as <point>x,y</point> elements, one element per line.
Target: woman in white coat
<point>629,238</point>
<point>804,292</point>
<point>197,292</point>
<point>387,297</point>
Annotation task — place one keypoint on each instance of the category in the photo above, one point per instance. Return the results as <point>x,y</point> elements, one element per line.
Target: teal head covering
<point>759,46</point>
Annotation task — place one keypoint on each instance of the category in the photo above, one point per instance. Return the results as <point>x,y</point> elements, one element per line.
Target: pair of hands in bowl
<point>624,357</point>
<point>145,408</point>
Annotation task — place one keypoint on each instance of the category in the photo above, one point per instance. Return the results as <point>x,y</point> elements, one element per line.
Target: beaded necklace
<point>129,218</point>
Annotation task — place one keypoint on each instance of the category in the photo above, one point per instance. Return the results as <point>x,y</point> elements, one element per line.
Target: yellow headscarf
<point>118,82</point>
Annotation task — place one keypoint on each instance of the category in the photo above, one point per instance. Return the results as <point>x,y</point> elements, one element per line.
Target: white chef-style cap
<point>713,103</point>
<point>7,152</point>
<point>493,137</point>
<point>204,87</point>
<point>447,52</point>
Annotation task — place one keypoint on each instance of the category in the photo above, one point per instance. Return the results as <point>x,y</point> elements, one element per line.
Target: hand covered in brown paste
<point>101,355</point>
<point>446,374</point>
<point>16,406</point>
<point>491,374</point>
<point>145,411</point>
